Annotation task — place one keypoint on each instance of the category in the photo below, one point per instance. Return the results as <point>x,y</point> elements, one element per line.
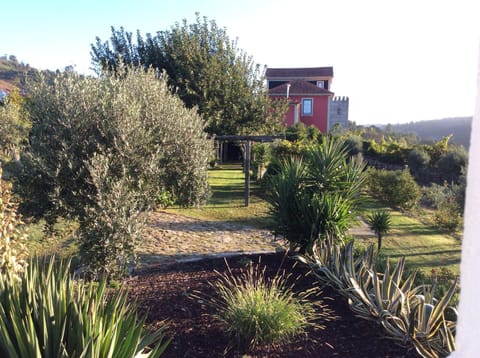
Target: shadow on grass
<point>432,263</point>
<point>425,253</point>
<point>410,230</point>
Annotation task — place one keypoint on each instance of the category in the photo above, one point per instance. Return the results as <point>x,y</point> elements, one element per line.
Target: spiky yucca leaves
<point>380,222</point>
<point>255,310</point>
<point>314,196</point>
<point>410,314</point>
<point>47,314</point>
<point>285,188</point>
<point>12,234</point>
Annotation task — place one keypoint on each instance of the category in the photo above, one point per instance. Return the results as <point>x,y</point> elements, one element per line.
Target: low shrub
<point>396,188</point>
<point>47,314</point>
<point>256,311</point>
<point>448,216</point>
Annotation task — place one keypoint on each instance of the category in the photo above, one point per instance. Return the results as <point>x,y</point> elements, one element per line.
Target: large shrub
<point>418,160</point>
<point>48,314</point>
<point>453,164</point>
<point>14,127</point>
<point>397,188</point>
<point>118,139</point>
<point>314,196</point>
<point>12,235</point>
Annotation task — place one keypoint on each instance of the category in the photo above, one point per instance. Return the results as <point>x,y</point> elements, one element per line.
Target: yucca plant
<point>48,314</point>
<point>314,196</point>
<point>380,222</point>
<point>257,311</point>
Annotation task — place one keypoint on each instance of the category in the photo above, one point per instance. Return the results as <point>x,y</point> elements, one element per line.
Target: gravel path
<point>173,238</point>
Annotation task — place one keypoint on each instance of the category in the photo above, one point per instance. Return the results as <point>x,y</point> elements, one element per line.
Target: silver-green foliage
<point>151,138</point>
<point>48,314</point>
<point>411,315</point>
<point>314,196</point>
<point>255,310</point>
<point>104,149</point>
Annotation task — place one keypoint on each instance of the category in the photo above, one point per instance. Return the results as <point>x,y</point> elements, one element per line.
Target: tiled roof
<point>299,88</point>
<point>299,72</point>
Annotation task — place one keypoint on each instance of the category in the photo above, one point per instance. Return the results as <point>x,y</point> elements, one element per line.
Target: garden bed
<point>165,293</point>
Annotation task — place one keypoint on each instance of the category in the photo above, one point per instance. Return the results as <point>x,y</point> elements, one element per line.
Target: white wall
<point>468,330</point>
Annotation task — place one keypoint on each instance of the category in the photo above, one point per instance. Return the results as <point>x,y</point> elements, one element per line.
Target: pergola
<point>247,140</point>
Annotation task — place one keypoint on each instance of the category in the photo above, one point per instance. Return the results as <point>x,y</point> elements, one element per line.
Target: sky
<point>397,61</point>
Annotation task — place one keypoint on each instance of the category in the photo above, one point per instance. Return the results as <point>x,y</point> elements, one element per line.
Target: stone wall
<point>338,112</point>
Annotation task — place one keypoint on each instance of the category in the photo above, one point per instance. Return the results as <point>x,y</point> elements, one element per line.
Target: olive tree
<point>102,150</point>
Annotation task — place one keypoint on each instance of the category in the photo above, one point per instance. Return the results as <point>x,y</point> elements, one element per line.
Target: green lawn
<point>227,202</point>
<point>425,246</point>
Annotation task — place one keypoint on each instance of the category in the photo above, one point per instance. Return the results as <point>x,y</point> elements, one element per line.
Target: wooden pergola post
<point>247,172</point>
<point>248,144</point>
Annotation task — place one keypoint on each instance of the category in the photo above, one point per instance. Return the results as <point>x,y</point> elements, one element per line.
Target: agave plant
<point>411,315</point>
<point>47,314</point>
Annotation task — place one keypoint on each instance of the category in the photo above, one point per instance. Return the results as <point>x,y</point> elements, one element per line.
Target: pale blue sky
<point>397,61</point>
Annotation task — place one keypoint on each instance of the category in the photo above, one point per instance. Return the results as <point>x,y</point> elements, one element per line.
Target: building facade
<point>311,101</point>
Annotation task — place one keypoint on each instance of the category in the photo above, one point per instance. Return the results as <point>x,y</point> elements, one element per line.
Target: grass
<point>227,202</point>
<point>425,246</point>
<point>60,243</point>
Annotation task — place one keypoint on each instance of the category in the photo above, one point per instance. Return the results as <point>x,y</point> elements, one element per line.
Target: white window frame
<point>309,113</point>
<point>320,84</point>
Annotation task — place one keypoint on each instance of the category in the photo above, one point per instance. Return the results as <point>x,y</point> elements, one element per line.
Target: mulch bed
<point>165,294</point>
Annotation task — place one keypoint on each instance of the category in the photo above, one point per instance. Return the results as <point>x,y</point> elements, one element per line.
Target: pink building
<point>308,91</point>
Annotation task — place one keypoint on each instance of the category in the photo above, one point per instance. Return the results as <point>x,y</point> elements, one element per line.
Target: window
<point>320,84</point>
<point>307,107</point>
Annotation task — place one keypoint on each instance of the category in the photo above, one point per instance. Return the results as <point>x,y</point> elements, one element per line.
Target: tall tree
<point>206,69</point>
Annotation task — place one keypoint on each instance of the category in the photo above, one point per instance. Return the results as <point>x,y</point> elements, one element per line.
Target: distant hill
<point>431,130</point>
<point>14,74</point>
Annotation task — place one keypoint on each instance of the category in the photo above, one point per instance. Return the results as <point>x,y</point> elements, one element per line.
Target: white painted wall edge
<point>468,338</point>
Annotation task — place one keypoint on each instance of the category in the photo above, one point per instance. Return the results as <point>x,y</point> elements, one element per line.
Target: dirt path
<point>172,238</point>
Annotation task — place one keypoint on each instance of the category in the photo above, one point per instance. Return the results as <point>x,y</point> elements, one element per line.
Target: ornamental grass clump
<point>45,313</point>
<point>257,311</point>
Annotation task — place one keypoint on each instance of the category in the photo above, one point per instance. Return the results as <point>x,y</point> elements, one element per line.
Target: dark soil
<point>165,294</point>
